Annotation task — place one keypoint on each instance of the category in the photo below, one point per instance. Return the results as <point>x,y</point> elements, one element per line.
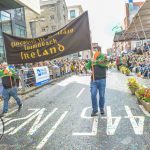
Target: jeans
<point>98,85</point>
<point>6,94</point>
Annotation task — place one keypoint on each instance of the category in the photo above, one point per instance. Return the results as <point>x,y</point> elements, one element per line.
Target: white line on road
<point>45,139</point>
<point>111,125</point>
<point>83,113</point>
<point>80,92</point>
<point>37,124</point>
<point>8,114</point>
<point>14,120</point>
<point>26,122</point>
<point>94,129</point>
<point>137,127</point>
<point>32,113</point>
<point>144,111</point>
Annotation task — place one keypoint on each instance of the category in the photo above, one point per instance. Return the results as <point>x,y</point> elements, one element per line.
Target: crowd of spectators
<point>57,68</point>
<point>138,61</point>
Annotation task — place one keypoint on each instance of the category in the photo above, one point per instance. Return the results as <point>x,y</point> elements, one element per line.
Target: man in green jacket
<point>98,80</point>
<point>9,77</point>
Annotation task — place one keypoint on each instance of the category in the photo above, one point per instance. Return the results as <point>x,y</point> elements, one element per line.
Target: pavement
<point>58,118</point>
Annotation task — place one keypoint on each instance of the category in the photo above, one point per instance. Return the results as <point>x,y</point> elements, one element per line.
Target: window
<point>20,31</point>
<point>5,22</point>
<point>52,8</point>
<point>64,17</point>
<point>1,42</point>
<point>33,28</point>
<point>6,27</point>
<point>52,17</point>
<point>5,16</point>
<point>53,28</point>
<point>64,7</point>
<point>45,29</point>
<point>72,14</point>
<point>19,14</point>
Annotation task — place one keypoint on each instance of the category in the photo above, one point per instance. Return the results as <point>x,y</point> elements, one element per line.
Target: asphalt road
<point>58,118</point>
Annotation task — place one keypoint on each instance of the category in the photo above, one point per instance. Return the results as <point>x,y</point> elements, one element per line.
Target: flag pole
<point>92,61</point>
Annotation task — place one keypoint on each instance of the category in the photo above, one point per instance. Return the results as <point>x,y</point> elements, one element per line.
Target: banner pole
<point>92,62</point>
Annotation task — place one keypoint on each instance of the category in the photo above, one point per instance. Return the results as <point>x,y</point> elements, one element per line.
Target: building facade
<point>74,12</point>
<point>53,16</point>
<point>12,20</point>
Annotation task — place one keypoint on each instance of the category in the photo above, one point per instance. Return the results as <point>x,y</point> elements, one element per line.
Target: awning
<point>118,36</point>
<point>9,4</point>
<point>131,36</point>
<point>139,28</point>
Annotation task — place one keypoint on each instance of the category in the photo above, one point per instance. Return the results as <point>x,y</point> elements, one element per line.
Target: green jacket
<point>14,74</point>
<point>101,58</point>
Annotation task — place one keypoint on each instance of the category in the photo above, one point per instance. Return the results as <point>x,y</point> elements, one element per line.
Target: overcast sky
<point>103,15</point>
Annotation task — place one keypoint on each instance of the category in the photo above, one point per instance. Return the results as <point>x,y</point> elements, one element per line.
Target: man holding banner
<point>98,80</point>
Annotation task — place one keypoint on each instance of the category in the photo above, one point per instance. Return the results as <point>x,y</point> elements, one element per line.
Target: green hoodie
<point>99,58</point>
<point>14,74</point>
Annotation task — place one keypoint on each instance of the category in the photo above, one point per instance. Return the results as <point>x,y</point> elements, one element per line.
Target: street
<point>58,118</point>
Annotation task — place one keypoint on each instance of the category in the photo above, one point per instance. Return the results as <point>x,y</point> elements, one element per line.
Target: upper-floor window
<point>54,28</point>
<point>45,29</point>
<point>19,14</point>
<point>72,14</point>
<point>52,17</point>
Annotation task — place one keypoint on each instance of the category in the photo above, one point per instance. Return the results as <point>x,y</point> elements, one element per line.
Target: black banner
<point>72,38</point>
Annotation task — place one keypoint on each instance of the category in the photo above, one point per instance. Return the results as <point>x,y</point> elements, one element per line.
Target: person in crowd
<point>145,48</point>
<point>118,62</point>
<point>139,63</point>
<point>9,87</point>
<point>98,80</point>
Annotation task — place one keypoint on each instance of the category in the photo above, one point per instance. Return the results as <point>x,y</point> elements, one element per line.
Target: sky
<point>103,16</point>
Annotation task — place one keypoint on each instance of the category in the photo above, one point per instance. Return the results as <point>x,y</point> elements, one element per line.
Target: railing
<point>28,80</point>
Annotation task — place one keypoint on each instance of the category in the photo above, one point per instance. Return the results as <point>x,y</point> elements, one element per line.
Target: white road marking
<point>111,127</point>
<point>8,114</point>
<point>144,111</point>
<point>137,127</point>
<point>13,120</point>
<point>26,122</point>
<point>37,124</point>
<point>94,127</point>
<point>67,81</point>
<point>49,134</point>
<point>32,113</point>
<point>75,79</point>
<point>83,113</point>
<point>82,90</point>
<point>9,130</point>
